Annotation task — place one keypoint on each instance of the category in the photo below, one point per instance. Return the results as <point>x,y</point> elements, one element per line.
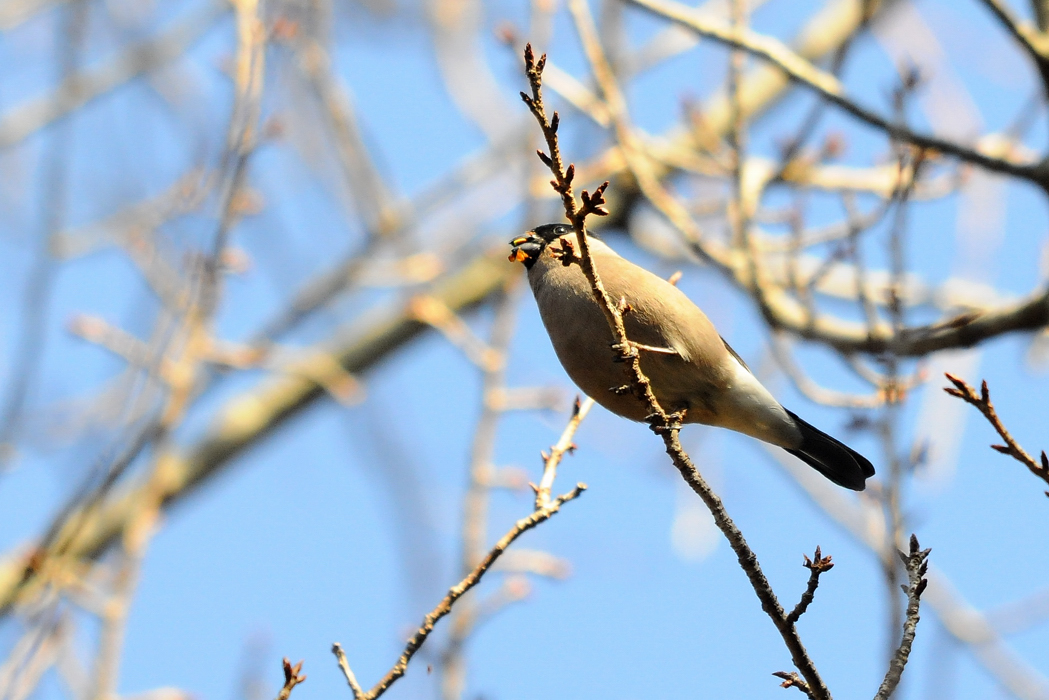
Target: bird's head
<point>529,247</point>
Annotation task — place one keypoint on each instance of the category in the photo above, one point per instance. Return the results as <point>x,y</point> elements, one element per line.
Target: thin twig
<point>31,341</point>
<point>115,612</point>
<point>1033,41</point>
<point>917,566</point>
<point>351,679</point>
<point>76,90</point>
<point>793,680</point>
<point>816,566</point>
<point>291,678</point>
<point>563,445</point>
<point>455,593</point>
<point>1012,448</point>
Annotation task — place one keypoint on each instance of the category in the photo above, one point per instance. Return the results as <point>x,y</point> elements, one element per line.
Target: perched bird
<point>690,366</point>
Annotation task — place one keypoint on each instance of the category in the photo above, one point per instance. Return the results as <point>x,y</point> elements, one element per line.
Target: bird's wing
<point>735,355</point>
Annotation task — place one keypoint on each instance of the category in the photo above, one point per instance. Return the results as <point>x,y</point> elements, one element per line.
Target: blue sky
<point>343,525</point>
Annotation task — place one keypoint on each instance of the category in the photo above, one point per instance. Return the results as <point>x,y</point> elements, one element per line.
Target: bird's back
<point>699,375</point>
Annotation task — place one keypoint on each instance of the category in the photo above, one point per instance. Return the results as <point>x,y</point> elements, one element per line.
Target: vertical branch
<point>474,532</point>
<point>746,202</point>
<point>241,139</point>
<point>54,183</point>
<point>816,566</point>
<point>907,170</point>
<point>736,138</point>
<point>1041,14</point>
<point>563,445</point>
<point>115,612</point>
<point>667,426</point>
<point>917,566</point>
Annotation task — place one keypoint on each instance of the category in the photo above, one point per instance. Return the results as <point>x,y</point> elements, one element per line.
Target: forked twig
<point>982,402</point>
<point>816,566</point>
<point>544,510</point>
<point>291,678</point>
<point>454,593</point>
<point>557,452</point>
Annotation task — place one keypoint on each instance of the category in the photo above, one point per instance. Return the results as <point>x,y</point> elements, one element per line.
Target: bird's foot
<point>624,351</point>
<point>566,253</point>
<point>662,423</point>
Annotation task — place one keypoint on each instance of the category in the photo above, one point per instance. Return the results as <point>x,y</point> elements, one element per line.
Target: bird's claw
<point>663,423</point>
<point>624,351</point>
<point>566,253</point>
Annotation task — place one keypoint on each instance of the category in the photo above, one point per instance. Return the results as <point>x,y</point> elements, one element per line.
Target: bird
<point>691,368</point>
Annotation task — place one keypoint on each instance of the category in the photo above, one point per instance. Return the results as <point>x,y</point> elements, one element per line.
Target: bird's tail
<point>831,458</point>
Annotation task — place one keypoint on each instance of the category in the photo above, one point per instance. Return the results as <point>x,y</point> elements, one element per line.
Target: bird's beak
<point>526,249</point>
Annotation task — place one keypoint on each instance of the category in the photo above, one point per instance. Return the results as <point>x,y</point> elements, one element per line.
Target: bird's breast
<point>583,342</point>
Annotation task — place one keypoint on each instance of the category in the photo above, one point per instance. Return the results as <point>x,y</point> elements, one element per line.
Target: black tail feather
<point>831,458</point>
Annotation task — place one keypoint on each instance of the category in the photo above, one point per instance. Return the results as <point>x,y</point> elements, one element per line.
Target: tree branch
<point>248,417</point>
<point>816,566</point>
<point>917,566</point>
<point>454,593</point>
<point>291,678</point>
<point>1011,447</point>
<point>827,86</point>
<point>557,452</point>
<point>1030,39</point>
<point>19,122</point>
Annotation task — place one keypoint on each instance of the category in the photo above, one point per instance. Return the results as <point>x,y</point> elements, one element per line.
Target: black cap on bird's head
<point>529,247</point>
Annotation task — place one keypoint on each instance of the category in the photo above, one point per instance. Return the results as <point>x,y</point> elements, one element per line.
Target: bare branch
<point>482,479</point>
<point>1030,39</point>
<point>79,89</point>
<point>917,566</point>
<point>748,561</point>
<point>828,87</point>
<point>456,592</point>
<point>982,402</point>
<point>87,532</point>
<point>563,445</point>
<point>291,678</point>
<point>437,314</point>
<point>793,680</point>
<point>816,566</point>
